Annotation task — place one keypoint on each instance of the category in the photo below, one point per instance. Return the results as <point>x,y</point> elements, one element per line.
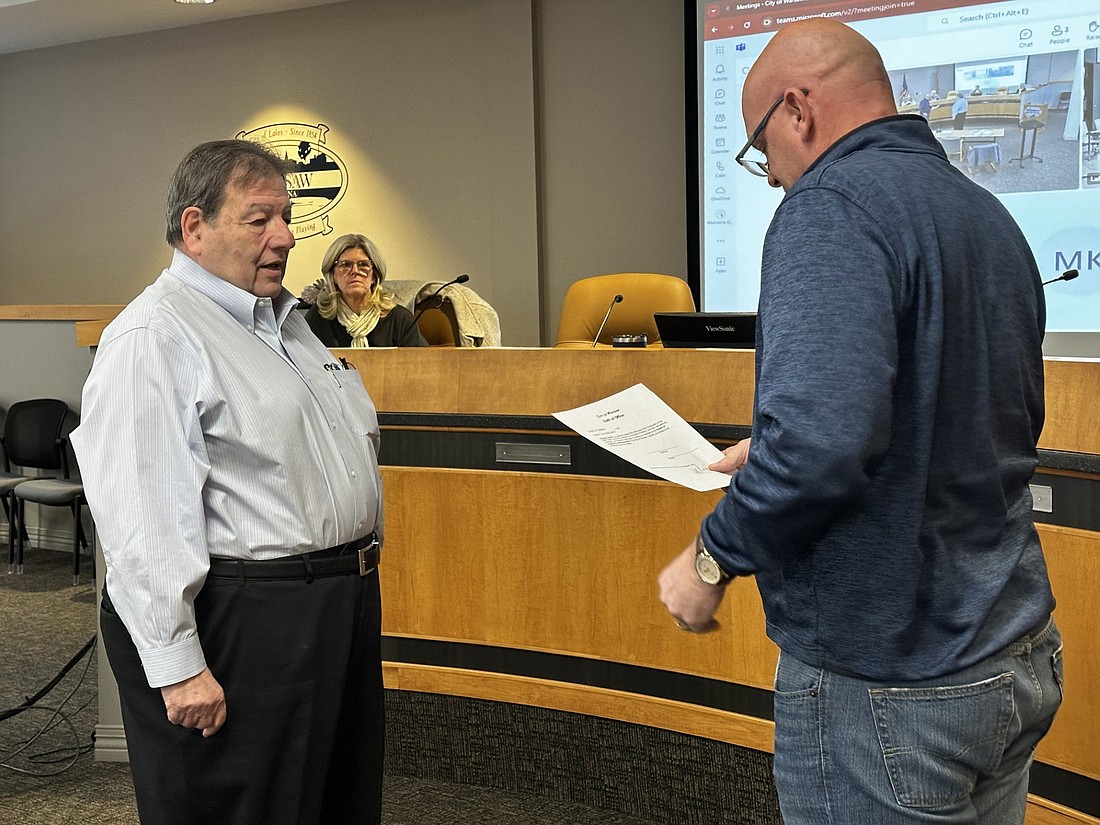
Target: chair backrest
<point>437,323</point>
<point>33,434</point>
<point>468,319</point>
<point>644,293</point>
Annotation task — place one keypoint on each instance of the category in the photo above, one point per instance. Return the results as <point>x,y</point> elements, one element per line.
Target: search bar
<point>976,18</point>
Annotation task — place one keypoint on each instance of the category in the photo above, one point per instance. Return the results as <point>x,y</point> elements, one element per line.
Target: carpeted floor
<point>47,770</point>
<point>1052,163</point>
<point>49,776</point>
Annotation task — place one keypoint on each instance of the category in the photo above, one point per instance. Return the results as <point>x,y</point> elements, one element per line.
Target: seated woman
<point>351,308</point>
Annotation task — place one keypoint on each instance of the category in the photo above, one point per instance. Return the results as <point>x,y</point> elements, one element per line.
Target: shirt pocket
<point>357,407</point>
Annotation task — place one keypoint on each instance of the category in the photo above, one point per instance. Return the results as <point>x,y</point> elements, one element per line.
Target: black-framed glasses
<point>344,267</point>
<point>754,165</point>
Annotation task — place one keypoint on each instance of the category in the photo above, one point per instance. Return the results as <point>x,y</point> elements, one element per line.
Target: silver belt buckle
<point>364,559</point>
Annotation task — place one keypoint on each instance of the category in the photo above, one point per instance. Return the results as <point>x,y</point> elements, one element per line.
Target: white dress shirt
<point>214,423</point>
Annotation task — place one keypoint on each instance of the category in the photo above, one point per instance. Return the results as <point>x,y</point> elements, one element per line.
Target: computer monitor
<point>701,330</point>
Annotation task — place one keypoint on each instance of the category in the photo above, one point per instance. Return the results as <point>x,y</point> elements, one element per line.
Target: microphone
<point>427,302</point>
<point>1068,275</point>
<point>615,300</point>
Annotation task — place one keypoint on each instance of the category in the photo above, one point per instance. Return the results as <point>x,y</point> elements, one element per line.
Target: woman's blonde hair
<point>327,294</point>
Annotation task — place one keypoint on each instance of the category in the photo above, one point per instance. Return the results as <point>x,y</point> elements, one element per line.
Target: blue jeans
<point>956,749</point>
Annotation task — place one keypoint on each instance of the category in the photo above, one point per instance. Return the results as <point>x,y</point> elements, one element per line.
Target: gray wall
<point>612,152</point>
<point>526,143</point>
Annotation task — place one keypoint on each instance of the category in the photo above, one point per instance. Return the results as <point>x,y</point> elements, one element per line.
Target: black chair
<point>9,480</point>
<point>35,438</point>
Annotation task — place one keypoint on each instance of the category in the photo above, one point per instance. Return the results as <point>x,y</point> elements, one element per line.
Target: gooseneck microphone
<point>1068,275</point>
<point>427,302</point>
<point>615,300</point>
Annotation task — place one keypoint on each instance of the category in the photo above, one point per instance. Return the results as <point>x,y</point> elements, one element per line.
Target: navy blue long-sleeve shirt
<point>885,508</point>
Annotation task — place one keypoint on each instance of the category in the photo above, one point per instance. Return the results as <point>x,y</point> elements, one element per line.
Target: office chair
<point>456,316</point>
<point>34,437</point>
<point>9,480</point>
<point>1092,138</point>
<point>31,431</point>
<point>587,300</point>
<point>437,322</point>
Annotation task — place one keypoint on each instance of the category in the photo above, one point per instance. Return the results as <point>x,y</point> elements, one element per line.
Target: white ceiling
<point>33,24</point>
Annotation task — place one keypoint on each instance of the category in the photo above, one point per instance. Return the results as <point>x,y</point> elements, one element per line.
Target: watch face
<point>708,569</point>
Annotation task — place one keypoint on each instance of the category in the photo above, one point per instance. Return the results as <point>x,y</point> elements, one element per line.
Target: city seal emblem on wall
<point>320,178</point>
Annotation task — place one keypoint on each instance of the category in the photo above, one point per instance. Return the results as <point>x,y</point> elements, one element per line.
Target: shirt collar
<point>242,305</point>
<point>897,132</point>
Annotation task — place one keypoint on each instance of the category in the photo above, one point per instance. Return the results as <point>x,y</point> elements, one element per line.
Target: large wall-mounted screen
<point>1030,134</point>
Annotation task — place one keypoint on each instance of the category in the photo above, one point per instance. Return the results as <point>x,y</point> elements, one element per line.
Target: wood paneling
<point>88,332</point>
<point>58,312</point>
<point>568,564</point>
<point>704,386</point>
<point>558,563</point>
<point>1072,392</point>
<point>1073,561</point>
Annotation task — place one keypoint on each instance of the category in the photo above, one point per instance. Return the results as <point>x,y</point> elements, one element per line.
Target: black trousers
<point>300,664</point>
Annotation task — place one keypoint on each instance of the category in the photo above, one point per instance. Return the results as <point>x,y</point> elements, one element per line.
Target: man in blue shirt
<point>958,111</point>
<point>883,506</point>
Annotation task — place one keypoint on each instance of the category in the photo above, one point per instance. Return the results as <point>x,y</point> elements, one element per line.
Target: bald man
<point>883,505</point>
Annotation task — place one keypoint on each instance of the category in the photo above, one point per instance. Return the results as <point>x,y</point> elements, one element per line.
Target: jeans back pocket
<point>936,741</point>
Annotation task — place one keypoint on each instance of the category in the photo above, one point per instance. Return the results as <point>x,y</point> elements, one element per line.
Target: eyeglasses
<point>755,165</point>
<point>344,267</point>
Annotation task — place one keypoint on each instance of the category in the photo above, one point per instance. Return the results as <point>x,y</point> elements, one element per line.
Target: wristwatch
<point>705,565</point>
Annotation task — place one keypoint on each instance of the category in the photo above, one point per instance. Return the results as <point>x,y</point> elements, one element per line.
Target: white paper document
<point>639,427</point>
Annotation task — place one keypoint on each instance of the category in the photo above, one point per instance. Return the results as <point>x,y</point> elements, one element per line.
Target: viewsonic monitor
<point>726,330</point>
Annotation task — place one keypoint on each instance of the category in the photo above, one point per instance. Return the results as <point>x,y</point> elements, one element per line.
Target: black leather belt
<point>359,556</point>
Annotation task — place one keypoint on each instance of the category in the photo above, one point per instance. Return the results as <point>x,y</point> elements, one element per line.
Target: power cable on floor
<point>65,757</point>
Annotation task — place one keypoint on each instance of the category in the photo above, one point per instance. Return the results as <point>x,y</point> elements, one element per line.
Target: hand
<point>691,602</point>
<point>198,702</point>
<point>734,458</point>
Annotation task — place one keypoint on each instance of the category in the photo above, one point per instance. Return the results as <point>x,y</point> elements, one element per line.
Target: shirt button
<point>354,474</point>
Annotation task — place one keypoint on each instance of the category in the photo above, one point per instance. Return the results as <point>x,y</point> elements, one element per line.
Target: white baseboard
<point>110,744</point>
<point>46,539</point>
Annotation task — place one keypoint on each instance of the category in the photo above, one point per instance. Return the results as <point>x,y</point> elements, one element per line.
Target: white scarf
<point>358,324</point>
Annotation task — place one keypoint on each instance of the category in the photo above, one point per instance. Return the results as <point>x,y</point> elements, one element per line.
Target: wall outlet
<point>1042,498</point>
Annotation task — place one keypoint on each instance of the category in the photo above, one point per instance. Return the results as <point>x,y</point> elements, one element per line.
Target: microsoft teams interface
<point>1030,133</point>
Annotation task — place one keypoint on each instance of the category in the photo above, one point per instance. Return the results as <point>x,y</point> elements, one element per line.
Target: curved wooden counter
<point>995,106</point>
<point>535,584</point>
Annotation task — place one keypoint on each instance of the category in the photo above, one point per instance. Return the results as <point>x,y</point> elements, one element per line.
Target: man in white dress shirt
<point>230,462</point>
